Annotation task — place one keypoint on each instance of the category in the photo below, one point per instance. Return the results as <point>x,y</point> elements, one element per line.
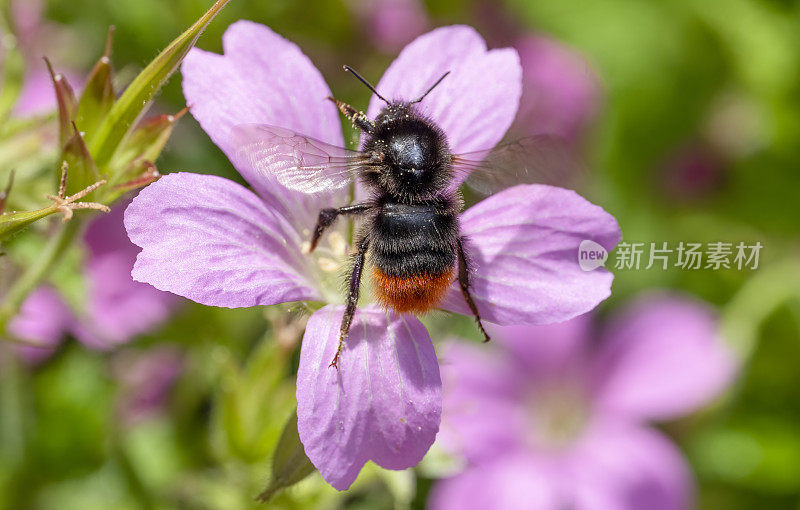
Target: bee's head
<point>414,152</point>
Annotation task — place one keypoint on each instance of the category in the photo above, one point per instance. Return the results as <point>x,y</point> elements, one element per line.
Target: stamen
<point>67,204</point>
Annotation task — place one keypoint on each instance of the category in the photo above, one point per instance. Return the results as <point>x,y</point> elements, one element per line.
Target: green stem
<point>38,271</point>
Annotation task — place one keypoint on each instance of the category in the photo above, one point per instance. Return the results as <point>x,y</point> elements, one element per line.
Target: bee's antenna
<point>365,82</point>
<point>432,87</point>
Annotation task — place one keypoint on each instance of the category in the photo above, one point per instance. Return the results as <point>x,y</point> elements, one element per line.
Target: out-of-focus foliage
<point>722,76</point>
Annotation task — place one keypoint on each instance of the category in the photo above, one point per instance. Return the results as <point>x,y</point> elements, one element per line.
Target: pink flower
<point>146,378</point>
<point>220,244</point>
<point>41,322</point>
<point>695,170</point>
<point>561,93</point>
<point>391,24</point>
<point>551,417</point>
<point>117,308</point>
<point>36,38</point>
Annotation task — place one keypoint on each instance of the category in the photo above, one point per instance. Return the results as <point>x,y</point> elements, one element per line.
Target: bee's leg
<point>352,297</point>
<point>328,216</point>
<point>359,119</point>
<point>463,281</point>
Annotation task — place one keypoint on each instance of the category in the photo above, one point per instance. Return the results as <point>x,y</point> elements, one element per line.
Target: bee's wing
<point>296,161</point>
<point>540,159</point>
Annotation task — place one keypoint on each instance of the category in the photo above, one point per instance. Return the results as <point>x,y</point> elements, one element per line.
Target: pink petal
<point>523,243</point>
<point>213,241</point>
<point>382,404</point>
<point>482,416</point>
<point>663,358</point>
<point>511,483</point>
<point>620,467</point>
<point>262,79</point>
<point>546,350</point>
<point>477,101</point>
<point>118,308</point>
<point>43,320</point>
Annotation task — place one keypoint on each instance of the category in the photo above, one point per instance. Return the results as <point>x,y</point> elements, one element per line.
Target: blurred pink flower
<point>117,308</point>
<point>560,92</point>
<point>550,419</point>
<point>146,378</point>
<point>391,24</point>
<point>35,39</point>
<point>41,323</point>
<point>695,170</point>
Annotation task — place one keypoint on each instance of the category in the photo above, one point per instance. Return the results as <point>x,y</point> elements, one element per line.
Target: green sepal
<point>14,222</point>
<point>142,172</point>
<point>136,99</point>
<point>98,95</point>
<point>67,104</point>
<point>290,464</point>
<point>82,169</point>
<point>144,144</point>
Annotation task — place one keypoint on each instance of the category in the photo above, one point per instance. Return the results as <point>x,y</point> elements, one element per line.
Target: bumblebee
<point>409,242</point>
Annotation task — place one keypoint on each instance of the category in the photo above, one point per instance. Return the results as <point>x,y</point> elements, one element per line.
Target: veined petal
<point>262,79</point>
<point>477,101</point>
<point>662,358</point>
<point>213,241</point>
<point>523,245</point>
<point>383,403</point>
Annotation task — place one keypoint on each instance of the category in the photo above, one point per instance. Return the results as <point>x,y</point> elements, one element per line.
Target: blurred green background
<point>722,76</point>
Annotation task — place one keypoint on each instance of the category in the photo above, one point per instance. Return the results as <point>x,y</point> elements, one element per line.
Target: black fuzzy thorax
<point>416,159</point>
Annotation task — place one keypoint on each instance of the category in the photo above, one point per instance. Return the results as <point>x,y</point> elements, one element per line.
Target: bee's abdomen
<point>414,255</point>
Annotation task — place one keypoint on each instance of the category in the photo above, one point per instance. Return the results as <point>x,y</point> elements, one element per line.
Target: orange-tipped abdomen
<point>411,294</point>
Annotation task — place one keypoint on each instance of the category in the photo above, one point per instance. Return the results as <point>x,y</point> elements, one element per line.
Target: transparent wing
<point>296,161</point>
<point>540,159</point>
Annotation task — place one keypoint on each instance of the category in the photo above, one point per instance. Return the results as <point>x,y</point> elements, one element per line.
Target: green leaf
<point>7,191</point>
<point>98,95</point>
<point>137,97</point>
<point>290,464</point>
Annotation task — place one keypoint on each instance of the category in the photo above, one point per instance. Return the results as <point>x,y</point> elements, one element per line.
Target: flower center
<point>331,264</point>
<point>557,415</point>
